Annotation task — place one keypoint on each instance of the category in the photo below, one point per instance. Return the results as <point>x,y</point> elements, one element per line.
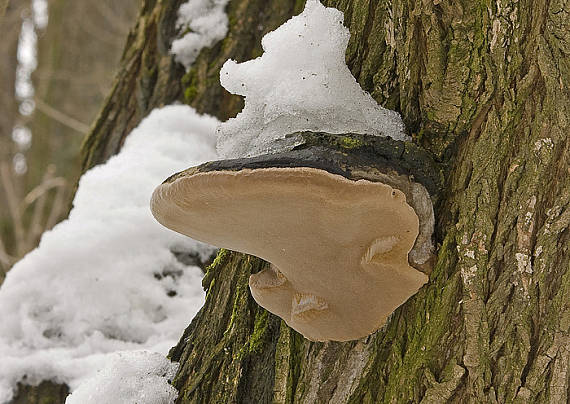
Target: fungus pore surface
<point>338,248</point>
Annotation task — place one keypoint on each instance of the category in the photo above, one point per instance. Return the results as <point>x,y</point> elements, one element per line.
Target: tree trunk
<point>484,87</point>
<point>75,67</point>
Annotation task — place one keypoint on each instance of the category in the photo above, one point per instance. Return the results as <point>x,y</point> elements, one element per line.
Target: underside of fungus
<point>338,245</point>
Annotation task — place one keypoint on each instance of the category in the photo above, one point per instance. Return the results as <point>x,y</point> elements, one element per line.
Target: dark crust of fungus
<point>349,155</point>
<point>401,165</point>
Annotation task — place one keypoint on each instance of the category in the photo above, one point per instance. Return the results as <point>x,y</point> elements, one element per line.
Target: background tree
<point>76,63</point>
<point>484,86</point>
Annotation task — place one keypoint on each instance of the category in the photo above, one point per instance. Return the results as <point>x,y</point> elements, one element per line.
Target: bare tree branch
<point>3,8</point>
<point>100,34</point>
<point>43,188</point>
<point>57,207</point>
<point>38,197</point>
<point>35,228</point>
<point>6,260</point>
<point>121,25</point>
<point>13,206</point>
<point>62,118</point>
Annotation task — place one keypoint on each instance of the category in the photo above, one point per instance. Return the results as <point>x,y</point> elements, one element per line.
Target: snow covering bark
<point>204,23</point>
<point>300,83</point>
<point>106,279</point>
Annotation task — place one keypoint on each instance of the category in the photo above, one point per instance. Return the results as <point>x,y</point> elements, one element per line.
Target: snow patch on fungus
<point>300,83</point>
<point>205,23</point>
<point>106,279</point>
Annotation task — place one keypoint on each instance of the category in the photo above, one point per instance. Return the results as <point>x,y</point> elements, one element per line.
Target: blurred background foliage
<point>57,62</point>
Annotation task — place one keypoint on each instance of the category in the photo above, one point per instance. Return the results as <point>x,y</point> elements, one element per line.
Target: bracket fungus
<point>345,221</point>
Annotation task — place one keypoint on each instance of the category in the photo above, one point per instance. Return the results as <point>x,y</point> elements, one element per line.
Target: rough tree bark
<point>484,87</point>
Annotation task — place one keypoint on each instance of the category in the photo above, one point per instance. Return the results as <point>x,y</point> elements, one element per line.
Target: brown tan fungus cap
<point>338,248</point>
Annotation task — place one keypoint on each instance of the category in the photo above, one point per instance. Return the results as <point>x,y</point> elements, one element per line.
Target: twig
<point>13,206</point>
<point>121,25</point>
<point>3,8</point>
<point>57,207</point>
<point>38,197</point>
<point>5,259</point>
<point>25,238</point>
<point>101,34</point>
<point>42,188</point>
<point>61,117</point>
<point>35,228</point>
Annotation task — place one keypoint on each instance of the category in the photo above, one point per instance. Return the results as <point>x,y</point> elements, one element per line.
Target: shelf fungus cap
<point>338,248</point>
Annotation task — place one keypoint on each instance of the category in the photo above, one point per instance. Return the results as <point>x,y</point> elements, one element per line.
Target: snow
<point>140,377</point>
<point>23,85</point>
<point>40,13</point>
<point>106,280</point>
<point>206,22</point>
<point>22,136</point>
<point>27,60</point>
<point>301,82</point>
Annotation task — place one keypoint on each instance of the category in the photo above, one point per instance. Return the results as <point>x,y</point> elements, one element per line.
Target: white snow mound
<point>301,82</point>
<point>106,279</point>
